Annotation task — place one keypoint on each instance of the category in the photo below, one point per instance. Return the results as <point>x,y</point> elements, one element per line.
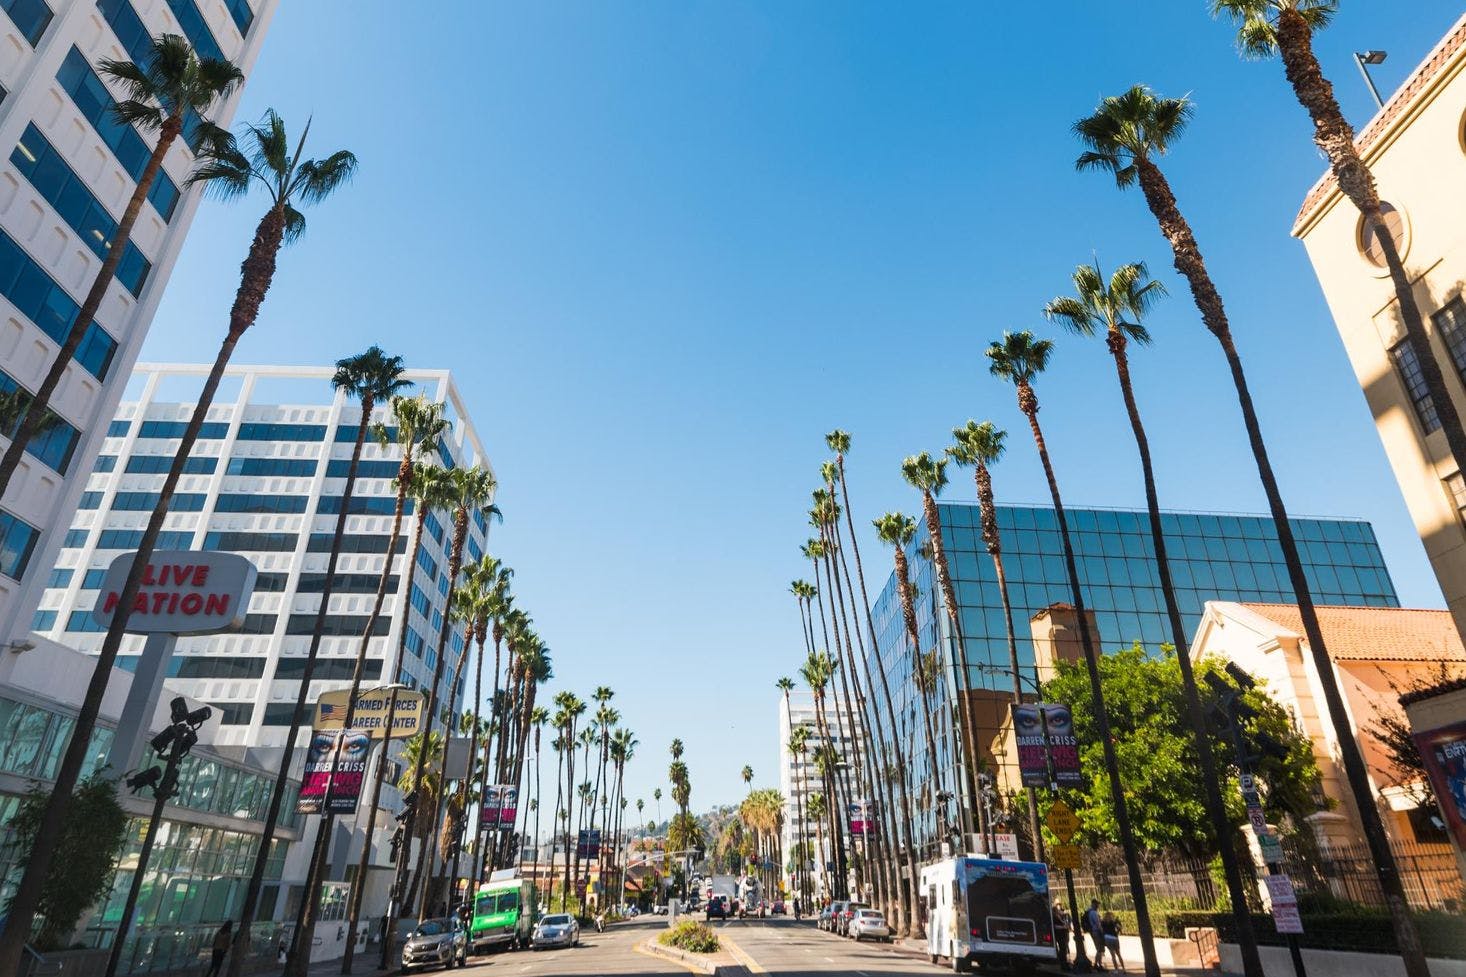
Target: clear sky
<point>665,245</point>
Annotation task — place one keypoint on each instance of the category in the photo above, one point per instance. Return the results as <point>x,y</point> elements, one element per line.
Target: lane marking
<point>748,962</point>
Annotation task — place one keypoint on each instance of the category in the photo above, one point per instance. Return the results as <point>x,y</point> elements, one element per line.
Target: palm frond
<point>270,149</point>
<point>315,180</point>
<point>222,169</point>
<point>138,113</point>
<point>294,225</point>
<point>1072,314</point>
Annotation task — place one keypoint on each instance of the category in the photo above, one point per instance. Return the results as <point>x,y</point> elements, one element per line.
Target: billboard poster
<point>1443,751</point>
<point>1028,739</point>
<point>500,807</point>
<point>345,752</point>
<point>1043,734</point>
<point>860,814</point>
<point>588,843</point>
<point>1058,721</point>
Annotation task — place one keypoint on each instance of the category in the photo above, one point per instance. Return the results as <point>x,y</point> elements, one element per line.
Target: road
<point>779,946</point>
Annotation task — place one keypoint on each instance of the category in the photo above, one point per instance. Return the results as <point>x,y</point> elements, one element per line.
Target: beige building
<point>1416,147</point>
<point>1377,653</point>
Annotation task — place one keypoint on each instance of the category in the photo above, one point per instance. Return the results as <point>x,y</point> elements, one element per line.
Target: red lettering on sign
<point>159,599</point>
<point>109,603</point>
<point>191,604</point>
<point>217,604</point>
<point>140,604</point>
<point>201,576</point>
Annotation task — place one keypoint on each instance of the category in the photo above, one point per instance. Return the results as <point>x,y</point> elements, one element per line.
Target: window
<point>90,500</point>
<point>75,539</point>
<point>420,601</point>
<point>1450,322</point>
<point>208,431</point>
<point>361,505</point>
<point>271,583</point>
<point>148,501</point>
<point>338,625</point>
<point>234,713</point>
<point>49,173</point>
<point>131,539</point>
<point>429,565</point>
<point>17,542</point>
<point>276,504</point>
<point>54,442</point>
<point>434,528</point>
<point>321,543</point>
<point>243,16</point>
<point>346,434</point>
<point>258,624</point>
<point>118,429</point>
<point>31,16</point>
<point>105,463</point>
<point>95,102</point>
<point>1369,244</point>
<point>327,669</point>
<point>59,578</point>
<point>445,454</point>
<point>48,305</point>
<point>92,579</point>
<point>161,464</point>
<point>82,622</point>
<point>272,467</point>
<point>1414,381</point>
<point>43,621</point>
<point>279,714</point>
<point>345,583</point>
<point>474,553</point>
<point>414,642</point>
<point>281,432</point>
<point>195,29</point>
<point>254,542</point>
<point>1456,489</point>
<point>341,468</point>
<point>133,35</point>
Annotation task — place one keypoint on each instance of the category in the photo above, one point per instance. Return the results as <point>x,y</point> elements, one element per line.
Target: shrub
<point>691,936</point>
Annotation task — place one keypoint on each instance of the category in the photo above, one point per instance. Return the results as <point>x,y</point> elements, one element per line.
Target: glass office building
<point>1213,557</point>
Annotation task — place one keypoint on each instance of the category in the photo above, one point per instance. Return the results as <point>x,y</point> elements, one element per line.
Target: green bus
<point>503,915</point>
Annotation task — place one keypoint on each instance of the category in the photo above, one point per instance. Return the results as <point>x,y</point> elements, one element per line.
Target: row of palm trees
<point>158,96</point>
<point>762,816</point>
<point>1126,136</point>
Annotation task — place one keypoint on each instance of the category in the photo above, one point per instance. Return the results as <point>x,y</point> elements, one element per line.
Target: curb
<point>692,961</point>
<point>744,960</point>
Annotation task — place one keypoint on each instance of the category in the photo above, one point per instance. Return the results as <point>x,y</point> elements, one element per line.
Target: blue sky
<point>666,245</point>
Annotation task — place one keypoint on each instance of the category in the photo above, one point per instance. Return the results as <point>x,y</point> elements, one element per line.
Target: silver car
<point>868,924</point>
<point>558,929</point>
<point>436,943</point>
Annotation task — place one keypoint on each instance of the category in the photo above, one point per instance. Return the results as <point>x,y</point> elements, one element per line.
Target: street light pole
<point>1365,58</point>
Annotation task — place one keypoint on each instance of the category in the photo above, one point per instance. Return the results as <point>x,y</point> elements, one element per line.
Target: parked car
<point>440,942</point>
<point>659,910</point>
<point>717,907</point>
<point>829,914</point>
<point>847,913</point>
<point>868,924</point>
<point>557,929</point>
<point>779,908</point>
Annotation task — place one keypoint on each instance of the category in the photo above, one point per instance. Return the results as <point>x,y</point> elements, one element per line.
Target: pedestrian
<point>1061,934</point>
<point>1094,926</point>
<point>1111,928</point>
<point>222,939</point>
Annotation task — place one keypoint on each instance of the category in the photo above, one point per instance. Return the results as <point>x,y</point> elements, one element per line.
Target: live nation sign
<point>182,592</point>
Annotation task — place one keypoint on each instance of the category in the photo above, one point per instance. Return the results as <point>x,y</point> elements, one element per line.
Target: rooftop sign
<point>182,592</point>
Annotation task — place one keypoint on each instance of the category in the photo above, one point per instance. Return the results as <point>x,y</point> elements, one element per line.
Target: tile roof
<point>1443,54</point>
<point>1376,633</point>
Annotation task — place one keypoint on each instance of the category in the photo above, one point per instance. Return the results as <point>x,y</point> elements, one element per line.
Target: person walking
<point>222,939</point>
<point>1094,926</point>
<point>1061,934</point>
<point>1110,925</point>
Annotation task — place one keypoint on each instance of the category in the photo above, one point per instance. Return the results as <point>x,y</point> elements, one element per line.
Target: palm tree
<point>534,668</point>
<point>929,476</point>
<point>1116,306</point>
<point>293,179</point>
<point>981,445</point>
<point>370,377</point>
<point>798,747</point>
<point>817,671</point>
<point>539,718</point>
<point>657,796</point>
<point>1019,358</point>
<point>418,425</point>
<point>471,490</point>
<point>470,606</point>
<point>818,809</point>
<point>173,85</point>
<point>570,709</point>
<point>1286,28</point>
<point>747,775</point>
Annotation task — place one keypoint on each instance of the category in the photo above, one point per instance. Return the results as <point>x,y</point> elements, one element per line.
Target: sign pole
<point>1081,959</point>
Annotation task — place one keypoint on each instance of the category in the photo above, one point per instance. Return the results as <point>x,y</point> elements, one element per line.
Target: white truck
<point>988,911</point>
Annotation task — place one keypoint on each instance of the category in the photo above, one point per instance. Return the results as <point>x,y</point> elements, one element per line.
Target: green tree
<point>159,97</point>
<point>89,845</point>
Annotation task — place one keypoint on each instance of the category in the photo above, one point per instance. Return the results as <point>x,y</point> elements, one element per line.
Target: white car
<point>868,924</point>
<point>558,929</point>
<point>659,910</point>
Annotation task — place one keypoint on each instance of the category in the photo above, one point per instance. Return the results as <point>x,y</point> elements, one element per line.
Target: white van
<point>987,910</point>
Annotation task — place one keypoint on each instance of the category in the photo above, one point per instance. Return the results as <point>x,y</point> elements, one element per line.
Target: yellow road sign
<point>1062,821</point>
<point>1064,856</point>
<point>371,712</point>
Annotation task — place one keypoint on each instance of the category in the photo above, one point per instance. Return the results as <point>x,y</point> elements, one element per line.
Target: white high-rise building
<point>68,170</point>
<point>265,480</point>
<point>799,778</point>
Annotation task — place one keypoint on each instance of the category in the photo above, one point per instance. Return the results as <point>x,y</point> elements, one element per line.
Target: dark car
<point>829,914</point>
<point>778,908</point>
<point>717,907</point>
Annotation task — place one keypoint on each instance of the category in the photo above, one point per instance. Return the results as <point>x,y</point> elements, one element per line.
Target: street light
<point>1364,59</point>
<point>178,739</point>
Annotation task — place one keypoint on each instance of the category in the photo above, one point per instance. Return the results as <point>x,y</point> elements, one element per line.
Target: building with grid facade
<point>1213,557</point>
<point>68,170</point>
<point>799,779</point>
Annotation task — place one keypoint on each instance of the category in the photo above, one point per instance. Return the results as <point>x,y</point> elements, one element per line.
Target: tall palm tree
<point>929,476</point>
<point>471,491</point>
<point>174,84</point>
<point>532,656</point>
<point>291,179</point>
<point>418,425</point>
<point>817,671</point>
<point>369,377</point>
<point>1115,306</point>
<point>1286,28</point>
<point>1019,358</point>
<point>470,606</point>
<point>981,445</point>
<point>539,718</point>
<point>747,775</point>
<point>570,708</point>
<point>657,796</point>
<point>798,747</point>
<point>818,810</point>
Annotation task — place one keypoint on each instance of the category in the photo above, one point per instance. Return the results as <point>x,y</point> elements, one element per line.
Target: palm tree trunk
<point>1028,403</point>
<point>353,914</point>
<point>299,961</point>
<point>478,681</point>
<point>841,773</point>
<point>34,415</point>
<point>908,614</point>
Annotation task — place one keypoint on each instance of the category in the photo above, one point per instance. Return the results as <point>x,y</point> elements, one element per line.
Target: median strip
<point>748,962</point>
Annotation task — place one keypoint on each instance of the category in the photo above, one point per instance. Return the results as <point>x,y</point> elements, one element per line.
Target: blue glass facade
<point>1213,557</point>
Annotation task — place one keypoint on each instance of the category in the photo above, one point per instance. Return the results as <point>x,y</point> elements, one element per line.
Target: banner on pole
<point>1443,752</point>
<point>1043,734</point>
<point>860,814</point>
<point>500,807</point>
<point>336,759</point>
<point>588,843</point>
